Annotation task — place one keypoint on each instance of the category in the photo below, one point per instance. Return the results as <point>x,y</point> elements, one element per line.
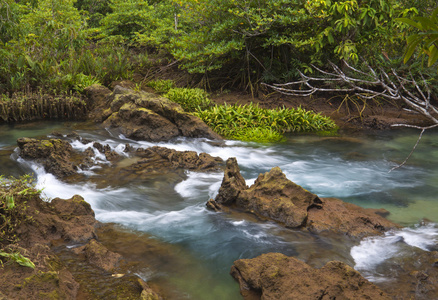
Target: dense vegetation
<point>14,193</point>
<point>252,123</point>
<point>61,47</point>
<point>65,45</point>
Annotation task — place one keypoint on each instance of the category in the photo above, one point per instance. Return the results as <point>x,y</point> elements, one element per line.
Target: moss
<point>46,144</point>
<point>50,277</point>
<point>52,295</point>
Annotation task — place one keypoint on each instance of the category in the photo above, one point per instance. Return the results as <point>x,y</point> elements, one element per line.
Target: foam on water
<point>373,251</point>
<point>196,185</point>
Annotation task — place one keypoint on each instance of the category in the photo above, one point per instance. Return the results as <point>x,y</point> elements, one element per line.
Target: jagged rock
<point>70,220</point>
<point>146,116</point>
<point>53,154</point>
<point>99,256</point>
<point>276,276</point>
<point>276,198</point>
<point>187,159</point>
<point>110,155</point>
<point>156,161</point>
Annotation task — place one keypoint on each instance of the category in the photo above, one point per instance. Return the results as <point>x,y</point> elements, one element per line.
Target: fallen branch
<point>368,86</point>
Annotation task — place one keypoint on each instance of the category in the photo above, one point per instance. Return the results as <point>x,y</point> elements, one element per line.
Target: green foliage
<point>137,21</point>
<point>270,38</point>
<point>18,258</point>
<point>95,10</point>
<point>426,39</point>
<point>189,99</point>
<point>161,86</point>
<point>14,192</point>
<point>65,45</point>
<point>9,19</point>
<point>252,123</point>
<point>257,134</point>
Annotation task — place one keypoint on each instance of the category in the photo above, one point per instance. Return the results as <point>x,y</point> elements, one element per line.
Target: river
<point>187,250</point>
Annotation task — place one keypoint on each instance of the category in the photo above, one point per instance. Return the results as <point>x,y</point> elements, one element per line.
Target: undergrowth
<point>252,123</point>
<point>161,86</point>
<point>14,193</point>
<point>189,99</point>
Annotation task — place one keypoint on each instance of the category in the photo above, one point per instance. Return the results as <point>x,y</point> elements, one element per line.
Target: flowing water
<point>188,250</point>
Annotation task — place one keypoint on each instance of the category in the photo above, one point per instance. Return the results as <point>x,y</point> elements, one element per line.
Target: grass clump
<point>18,258</point>
<point>189,99</point>
<point>252,123</point>
<point>161,86</point>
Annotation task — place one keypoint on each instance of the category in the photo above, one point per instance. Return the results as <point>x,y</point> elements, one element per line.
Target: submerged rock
<point>276,198</point>
<point>276,276</point>
<point>146,116</point>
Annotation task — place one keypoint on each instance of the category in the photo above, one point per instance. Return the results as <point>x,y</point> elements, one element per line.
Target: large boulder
<point>146,116</point>
<point>53,154</point>
<point>274,197</point>
<point>276,276</point>
<point>69,220</point>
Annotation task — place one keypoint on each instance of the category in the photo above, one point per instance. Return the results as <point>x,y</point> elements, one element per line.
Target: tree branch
<point>368,86</point>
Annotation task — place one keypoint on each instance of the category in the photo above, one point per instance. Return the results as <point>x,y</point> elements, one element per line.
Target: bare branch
<point>381,84</point>
<point>376,84</point>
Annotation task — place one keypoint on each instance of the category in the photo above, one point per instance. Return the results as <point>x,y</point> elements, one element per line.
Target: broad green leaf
<point>410,22</point>
<point>433,56</point>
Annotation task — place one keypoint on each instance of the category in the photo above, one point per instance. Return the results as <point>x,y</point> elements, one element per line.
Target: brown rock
<point>188,159</point>
<point>53,154</point>
<point>276,198</point>
<point>276,276</point>
<point>99,256</point>
<point>70,220</point>
<point>232,184</point>
<point>50,279</point>
<point>145,116</point>
<point>142,124</point>
<point>156,161</point>
<point>96,95</point>
<point>353,220</point>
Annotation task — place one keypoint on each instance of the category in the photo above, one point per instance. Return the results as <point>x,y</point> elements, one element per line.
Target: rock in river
<point>146,116</point>
<point>274,197</point>
<point>276,276</point>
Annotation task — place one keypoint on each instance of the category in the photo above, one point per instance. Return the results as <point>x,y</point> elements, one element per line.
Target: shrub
<point>189,99</point>
<point>161,86</point>
<point>252,123</point>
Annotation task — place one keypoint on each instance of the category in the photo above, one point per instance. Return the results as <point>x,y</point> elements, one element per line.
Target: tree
<point>426,37</point>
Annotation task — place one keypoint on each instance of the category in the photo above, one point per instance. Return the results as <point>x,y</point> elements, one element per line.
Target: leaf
<point>433,56</point>
<point>411,48</point>
<point>410,22</point>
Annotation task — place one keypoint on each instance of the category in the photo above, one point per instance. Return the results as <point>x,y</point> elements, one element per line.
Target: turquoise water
<point>195,248</point>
